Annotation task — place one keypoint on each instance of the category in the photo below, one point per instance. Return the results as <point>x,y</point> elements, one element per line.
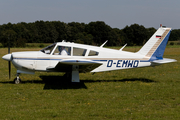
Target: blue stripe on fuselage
<point>51,59</point>
<point>35,59</point>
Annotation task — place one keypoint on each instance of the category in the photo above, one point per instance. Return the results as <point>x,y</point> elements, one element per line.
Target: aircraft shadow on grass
<point>60,82</point>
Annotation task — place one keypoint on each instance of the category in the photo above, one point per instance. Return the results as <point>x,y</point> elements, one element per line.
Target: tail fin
<point>155,46</point>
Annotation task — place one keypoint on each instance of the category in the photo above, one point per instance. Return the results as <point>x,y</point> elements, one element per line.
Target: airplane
<point>73,58</point>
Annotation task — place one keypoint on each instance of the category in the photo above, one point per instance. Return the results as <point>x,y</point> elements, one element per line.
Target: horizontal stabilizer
<point>164,60</point>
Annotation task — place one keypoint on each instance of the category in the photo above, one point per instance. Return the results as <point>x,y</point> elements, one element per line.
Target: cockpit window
<point>79,51</point>
<point>48,49</point>
<point>62,50</point>
<point>93,53</point>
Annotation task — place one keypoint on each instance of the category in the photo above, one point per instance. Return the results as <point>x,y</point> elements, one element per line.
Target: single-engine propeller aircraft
<point>74,58</point>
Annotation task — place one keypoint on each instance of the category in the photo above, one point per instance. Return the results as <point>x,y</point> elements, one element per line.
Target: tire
<point>17,81</point>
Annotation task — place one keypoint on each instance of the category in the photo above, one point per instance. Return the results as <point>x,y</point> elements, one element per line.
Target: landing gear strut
<point>73,76</point>
<point>17,80</point>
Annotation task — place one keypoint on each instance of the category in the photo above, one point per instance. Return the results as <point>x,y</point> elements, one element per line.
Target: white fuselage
<point>111,59</point>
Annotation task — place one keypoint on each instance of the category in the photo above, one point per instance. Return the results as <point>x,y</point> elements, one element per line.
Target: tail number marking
<point>123,63</point>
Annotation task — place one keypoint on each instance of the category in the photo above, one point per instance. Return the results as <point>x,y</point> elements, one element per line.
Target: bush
<point>178,43</point>
<point>171,43</point>
<point>41,45</point>
<point>21,42</point>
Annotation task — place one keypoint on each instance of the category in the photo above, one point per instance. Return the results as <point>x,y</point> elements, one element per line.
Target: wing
<point>66,65</point>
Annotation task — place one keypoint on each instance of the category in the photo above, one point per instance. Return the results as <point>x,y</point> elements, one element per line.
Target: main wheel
<point>17,80</point>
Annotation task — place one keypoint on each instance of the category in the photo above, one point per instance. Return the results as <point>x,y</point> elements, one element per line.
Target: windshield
<point>48,49</point>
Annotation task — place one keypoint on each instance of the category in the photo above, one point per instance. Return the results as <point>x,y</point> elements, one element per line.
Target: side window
<point>79,51</point>
<point>62,50</point>
<point>48,49</point>
<point>93,53</point>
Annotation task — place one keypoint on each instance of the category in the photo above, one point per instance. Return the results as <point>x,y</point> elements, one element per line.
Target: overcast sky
<point>115,13</point>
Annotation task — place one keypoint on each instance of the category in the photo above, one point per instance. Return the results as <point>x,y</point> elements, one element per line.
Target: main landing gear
<point>17,80</point>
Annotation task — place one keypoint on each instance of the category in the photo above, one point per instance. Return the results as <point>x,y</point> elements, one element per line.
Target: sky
<point>115,13</point>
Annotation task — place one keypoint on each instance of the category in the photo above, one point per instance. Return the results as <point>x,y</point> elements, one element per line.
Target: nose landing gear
<point>17,80</point>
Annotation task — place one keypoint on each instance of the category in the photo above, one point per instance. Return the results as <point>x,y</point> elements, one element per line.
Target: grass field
<point>142,93</point>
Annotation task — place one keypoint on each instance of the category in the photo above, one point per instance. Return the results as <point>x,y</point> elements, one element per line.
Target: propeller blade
<point>8,45</point>
<point>9,65</point>
<point>8,49</point>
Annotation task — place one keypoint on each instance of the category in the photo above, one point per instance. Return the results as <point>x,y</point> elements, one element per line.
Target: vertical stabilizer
<point>155,46</point>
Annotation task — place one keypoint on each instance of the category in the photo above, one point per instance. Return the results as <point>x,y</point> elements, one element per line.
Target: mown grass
<point>142,93</point>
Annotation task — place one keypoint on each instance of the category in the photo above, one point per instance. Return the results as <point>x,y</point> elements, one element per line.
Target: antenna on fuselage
<point>123,47</point>
<point>104,43</point>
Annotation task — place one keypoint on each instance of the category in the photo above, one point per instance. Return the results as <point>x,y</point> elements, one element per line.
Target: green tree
<point>77,31</point>
<point>8,36</point>
<point>61,30</point>
<point>100,31</point>
<point>94,33</point>
<point>175,35</point>
<point>120,37</point>
<point>135,34</point>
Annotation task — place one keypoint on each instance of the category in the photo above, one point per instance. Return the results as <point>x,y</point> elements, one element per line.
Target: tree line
<point>93,33</point>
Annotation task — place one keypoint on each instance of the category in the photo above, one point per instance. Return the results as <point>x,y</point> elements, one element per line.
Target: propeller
<point>9,65</point>
<point>9,62</point>
<point>9,58</point>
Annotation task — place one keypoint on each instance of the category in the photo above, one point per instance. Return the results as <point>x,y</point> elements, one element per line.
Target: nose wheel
<point>17,80</point>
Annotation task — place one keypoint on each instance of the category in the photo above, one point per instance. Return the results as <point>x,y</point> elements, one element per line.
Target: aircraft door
<point>59,53</point>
